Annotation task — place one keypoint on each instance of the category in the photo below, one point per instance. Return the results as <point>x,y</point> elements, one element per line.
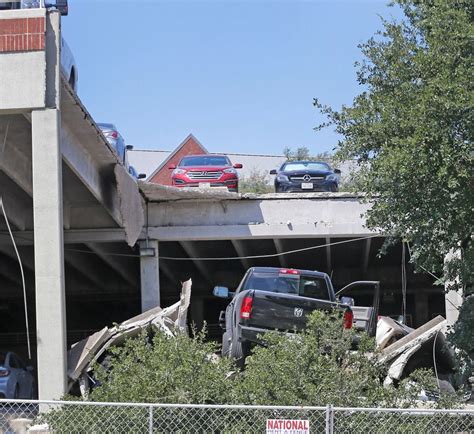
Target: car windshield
<point>205,160</point>
<point>305,286</point>
<point>309,165</point>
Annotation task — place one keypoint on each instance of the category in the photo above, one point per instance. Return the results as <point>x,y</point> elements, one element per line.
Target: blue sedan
<point>16,379</point>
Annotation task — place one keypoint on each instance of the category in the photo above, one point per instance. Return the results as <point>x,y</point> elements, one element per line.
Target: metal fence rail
<point>23,416</point>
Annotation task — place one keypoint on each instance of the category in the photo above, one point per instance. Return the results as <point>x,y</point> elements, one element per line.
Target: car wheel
<point>239,351</point>
<point>334,188</point>
<point>225,345</point>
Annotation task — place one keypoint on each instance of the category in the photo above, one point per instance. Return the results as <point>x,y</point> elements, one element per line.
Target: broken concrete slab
<point>159,193</point>
<point>132,207</point>
<point>79,356</point>
<point>82,355</point>
<point>389,331</point>
<point>424,347</point>
<point>421,334</point>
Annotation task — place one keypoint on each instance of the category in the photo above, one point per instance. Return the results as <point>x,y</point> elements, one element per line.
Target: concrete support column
<point>49,253</point>
<point>453,299</point>
<point>149,274</point>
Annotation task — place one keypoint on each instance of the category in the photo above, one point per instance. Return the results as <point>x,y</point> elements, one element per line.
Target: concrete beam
<point>167,271</point>
<point>192,252</point>
<point>49,254</point>
<point>87,265</point>
<point>120,264</point>
<point>15,151</point>
<point>246,231</point>
<point>280,249</point>
<point>99,181</point>
<point>19,211</point>
<point>73,236</point>
<point>240,250</point>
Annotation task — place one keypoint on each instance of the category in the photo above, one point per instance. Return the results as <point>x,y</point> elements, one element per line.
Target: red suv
<point>206,171</point>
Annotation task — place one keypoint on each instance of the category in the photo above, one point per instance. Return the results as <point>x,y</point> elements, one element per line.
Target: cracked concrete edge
<point>132,205</point>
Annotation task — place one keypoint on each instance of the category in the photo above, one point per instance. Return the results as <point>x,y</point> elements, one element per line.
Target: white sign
<point>287,426</point>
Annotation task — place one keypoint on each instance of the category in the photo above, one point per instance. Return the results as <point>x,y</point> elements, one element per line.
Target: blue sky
<point>239,75</point>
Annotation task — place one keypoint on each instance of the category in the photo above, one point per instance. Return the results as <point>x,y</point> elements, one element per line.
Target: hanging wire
<point>22,277</point>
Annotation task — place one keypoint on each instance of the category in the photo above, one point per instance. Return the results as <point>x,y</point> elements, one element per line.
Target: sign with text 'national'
<point>287,426</point>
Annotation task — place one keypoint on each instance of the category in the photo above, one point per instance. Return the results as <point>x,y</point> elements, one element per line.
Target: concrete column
<point>49,253</point>
<point>453,299</point>
<point>149,274</point>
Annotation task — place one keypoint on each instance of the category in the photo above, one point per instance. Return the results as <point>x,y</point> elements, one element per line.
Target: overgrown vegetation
<point>314,367</point>
<point>411,132</point>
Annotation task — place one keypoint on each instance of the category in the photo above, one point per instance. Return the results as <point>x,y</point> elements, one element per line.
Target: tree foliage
<point>256,182</point>
<point>411,132</point>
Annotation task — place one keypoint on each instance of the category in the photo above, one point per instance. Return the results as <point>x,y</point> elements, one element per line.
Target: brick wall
<point>189,147</point>
<point>22,34</point>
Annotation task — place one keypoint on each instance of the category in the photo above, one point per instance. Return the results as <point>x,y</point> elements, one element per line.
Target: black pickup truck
<point>279,299</point>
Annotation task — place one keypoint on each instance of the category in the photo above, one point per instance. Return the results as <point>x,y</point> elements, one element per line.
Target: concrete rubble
<point>405,349</point>
<point>83,354</point>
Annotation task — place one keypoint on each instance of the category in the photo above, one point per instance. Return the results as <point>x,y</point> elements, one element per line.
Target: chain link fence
<point>26,416</point>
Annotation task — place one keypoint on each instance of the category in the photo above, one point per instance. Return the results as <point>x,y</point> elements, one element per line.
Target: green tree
<point>318,367</point>
<point>411,131</point>
<point>256,182</point>
<point>164,369</point>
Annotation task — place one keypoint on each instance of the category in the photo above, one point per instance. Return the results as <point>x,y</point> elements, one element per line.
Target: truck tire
<point>225,345</point>
<point>239,350</point>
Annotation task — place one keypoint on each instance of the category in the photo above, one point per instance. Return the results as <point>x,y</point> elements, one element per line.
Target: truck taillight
<point>246,307</point>
<point>348,319</point>
<point>289,271</point>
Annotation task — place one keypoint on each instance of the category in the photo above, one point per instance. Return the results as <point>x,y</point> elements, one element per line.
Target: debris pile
<point>83,354</point>
<point>405,349</point>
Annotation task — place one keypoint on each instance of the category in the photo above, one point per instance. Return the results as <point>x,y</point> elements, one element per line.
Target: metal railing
<point>23,416</point>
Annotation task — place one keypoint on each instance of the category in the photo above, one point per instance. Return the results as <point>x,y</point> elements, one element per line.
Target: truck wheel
<point>239,351</point>
<point>225,345</point>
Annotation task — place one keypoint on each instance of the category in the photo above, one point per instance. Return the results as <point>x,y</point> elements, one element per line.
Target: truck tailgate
<point>285,312</point>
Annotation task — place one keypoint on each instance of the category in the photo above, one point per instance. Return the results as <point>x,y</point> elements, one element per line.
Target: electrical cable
<point>22,276</point>
<point>434,360</point>
<point>271,255</point>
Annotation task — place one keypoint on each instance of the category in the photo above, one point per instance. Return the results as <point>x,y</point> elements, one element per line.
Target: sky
<point>239,75</point>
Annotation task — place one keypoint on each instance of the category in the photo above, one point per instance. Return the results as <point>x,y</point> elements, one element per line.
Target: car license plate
<point>204,185</point>
<point>307,185</point>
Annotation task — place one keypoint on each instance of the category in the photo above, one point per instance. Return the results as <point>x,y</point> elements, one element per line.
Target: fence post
<point>150,420</point>
<point>329,420</point>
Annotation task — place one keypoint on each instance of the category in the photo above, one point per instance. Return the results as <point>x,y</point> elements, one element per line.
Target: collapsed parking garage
<point>98,247</point>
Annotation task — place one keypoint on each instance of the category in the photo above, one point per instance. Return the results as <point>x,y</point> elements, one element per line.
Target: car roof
<point>205,155</point>
<point>108,126</point>
<point>270,269</point>
<point>307,161</point>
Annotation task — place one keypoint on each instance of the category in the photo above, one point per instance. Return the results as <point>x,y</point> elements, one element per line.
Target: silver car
<point>16,379</point>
